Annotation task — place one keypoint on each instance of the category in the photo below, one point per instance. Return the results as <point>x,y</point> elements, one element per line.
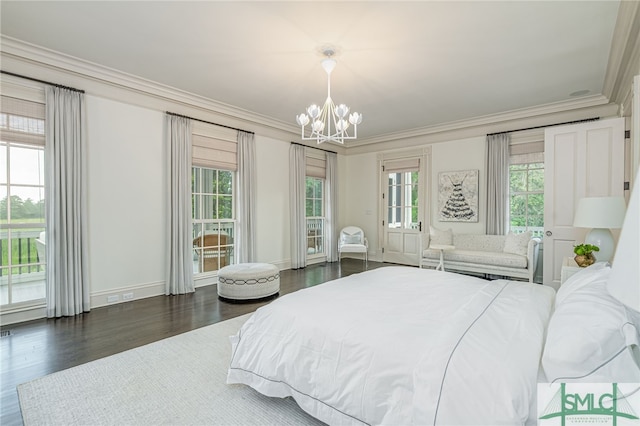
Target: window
<point>402,205</point>
<point>315,216</point>
<point>22,223</point>
<point>213,218</point>
<point>526,197</point>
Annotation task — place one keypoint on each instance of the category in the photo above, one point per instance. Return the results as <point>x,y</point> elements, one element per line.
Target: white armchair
<point>352,240</point>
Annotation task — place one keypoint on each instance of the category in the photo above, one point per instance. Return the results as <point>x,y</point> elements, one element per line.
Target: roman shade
<point>401,165</point>
<point>30,131</point>
<point>214,147</point>
<point>315,164</point>
<point>526,153</point>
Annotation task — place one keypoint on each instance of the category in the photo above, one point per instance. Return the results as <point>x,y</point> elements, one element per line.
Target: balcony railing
<point>24,280</point>
<point>536,231</point>
<point>315,236</point>
<point>24,252</point>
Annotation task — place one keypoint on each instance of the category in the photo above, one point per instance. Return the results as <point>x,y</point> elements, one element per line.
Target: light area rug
<point>180,380</point>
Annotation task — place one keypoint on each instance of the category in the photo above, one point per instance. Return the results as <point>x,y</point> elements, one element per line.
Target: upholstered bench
<point>248,281</point>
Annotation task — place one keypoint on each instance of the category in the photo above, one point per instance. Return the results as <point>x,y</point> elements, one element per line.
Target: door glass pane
<point>403,202</point>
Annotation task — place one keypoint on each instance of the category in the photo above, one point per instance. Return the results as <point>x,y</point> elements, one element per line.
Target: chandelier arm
<point>321,126</point>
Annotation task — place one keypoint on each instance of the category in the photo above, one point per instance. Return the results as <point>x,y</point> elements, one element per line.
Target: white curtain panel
<point>67,276</point>
<point>332,207</point>
<point>497,184</point>
<point>246,247</point>
<point>179,271</point>
<point>297,187</point>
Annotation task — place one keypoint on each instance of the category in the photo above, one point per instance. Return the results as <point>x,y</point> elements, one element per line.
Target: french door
<point>402,208</point>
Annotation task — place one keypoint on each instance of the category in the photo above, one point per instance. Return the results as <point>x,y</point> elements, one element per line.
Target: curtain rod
<point>313,147</point>
<point>548,125</point>
<point>208,122</point>
<point>42,81</point>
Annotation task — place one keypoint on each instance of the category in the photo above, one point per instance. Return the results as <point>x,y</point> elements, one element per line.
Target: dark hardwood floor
<point>37,348</point>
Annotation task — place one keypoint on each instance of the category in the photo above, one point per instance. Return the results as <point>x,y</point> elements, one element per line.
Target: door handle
<point>548,233</point>
<point>420,226</point>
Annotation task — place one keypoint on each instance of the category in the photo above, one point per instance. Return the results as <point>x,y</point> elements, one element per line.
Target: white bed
<point>409,346</point>
<point>400,345</point>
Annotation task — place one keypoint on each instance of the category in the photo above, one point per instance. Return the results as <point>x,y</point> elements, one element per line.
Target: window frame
<point>30,136</point>
<point>316,243</point>
<point>224,249</point>
<point>403,201</point>
<point>527,167</point>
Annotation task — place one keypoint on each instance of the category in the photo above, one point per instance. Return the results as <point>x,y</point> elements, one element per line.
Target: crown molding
<point>69,68</point>
<point>625,52</point>
<point>22,57</point>
<point>492,120</point>
<point>482,128</point>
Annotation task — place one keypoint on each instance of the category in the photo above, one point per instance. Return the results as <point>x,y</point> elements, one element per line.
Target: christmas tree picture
<point>458,196</point>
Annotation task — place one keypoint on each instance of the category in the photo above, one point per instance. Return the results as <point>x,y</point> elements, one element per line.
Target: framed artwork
<point>458,196</point>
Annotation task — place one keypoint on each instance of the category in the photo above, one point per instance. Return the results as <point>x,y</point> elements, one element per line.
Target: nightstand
<point>569,267</point>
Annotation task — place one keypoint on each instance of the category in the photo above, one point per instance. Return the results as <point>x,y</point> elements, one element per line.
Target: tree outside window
<point>314,206</point>
<point>213,218</point>
<point>526,198</point>
<point>22,206</point>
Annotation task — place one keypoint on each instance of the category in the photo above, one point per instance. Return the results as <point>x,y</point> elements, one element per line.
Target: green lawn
<point>23,247</point>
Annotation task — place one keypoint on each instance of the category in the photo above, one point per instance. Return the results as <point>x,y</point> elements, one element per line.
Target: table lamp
<point>601,214</point>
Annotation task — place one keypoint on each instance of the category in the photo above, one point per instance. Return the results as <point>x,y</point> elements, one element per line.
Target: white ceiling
<point>403,65</point>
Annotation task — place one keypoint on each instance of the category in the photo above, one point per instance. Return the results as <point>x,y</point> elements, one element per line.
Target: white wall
<point>127,197</point>
<point>359,184</point>
<point>465,154</point>
<point>127,201</point>
<point>361,188</point>
<point>272,225</point>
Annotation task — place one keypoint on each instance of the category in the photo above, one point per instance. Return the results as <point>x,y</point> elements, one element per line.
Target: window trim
<point>229,247</point>
<point>323,219</point>
<point>537,159</point>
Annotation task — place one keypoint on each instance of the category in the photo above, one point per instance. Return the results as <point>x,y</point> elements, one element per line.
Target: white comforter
<point>400,346</point>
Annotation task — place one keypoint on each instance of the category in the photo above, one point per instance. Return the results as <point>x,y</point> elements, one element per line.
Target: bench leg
<point>441,264</point>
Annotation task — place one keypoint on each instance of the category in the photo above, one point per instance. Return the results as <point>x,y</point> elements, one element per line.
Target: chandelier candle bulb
<point>329,115</point>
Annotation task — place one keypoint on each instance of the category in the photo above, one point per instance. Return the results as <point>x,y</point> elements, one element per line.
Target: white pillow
<point>517,243</point>
<point>439,237</point>
<point>588,335</point>
<point>355,238</point>
<point>597,272</point>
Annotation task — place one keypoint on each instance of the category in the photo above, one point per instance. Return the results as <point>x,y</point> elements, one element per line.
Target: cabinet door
<point>581,160</point>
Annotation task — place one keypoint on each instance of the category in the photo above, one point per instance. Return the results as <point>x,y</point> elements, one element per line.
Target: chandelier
<point>329,123</point>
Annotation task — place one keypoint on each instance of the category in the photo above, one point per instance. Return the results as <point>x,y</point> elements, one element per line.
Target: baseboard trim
<point>114,296</point>
<point>23,314</point>
<point>126,294</point>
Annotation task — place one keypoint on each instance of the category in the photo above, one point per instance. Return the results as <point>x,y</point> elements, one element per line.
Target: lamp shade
<point>600,212</point>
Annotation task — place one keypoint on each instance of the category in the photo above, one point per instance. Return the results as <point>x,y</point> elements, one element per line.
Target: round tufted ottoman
<point>248,281</point>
